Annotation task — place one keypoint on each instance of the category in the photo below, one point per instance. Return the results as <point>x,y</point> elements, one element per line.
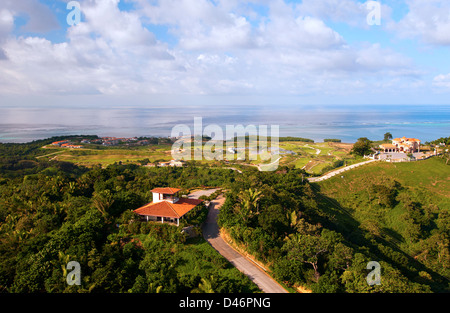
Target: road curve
<point>338,171</point>
<point>254,272</point>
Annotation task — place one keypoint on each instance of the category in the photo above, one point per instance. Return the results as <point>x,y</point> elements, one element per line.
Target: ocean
<point>318,122</point>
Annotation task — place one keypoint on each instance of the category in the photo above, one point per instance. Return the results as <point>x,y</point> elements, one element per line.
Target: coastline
<point>347,123</point>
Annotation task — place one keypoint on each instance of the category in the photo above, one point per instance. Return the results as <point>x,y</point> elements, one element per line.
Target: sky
<point>219,52</point>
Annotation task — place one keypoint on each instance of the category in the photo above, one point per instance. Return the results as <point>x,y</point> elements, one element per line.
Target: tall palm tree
<point>103,201</point>
<point>249,200</point>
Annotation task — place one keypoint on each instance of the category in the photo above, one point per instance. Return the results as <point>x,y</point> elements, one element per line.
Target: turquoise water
<point>348,123</point>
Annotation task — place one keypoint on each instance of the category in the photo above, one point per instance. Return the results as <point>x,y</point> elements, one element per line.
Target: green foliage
<point>332,140</point>
<point>362,147</point>
<point>309,239</point>
<point>387,136</point>
<point>402,213</point>
<point>282,139</point>
<point>335,164</point>
<point>444,140</point>
<point>197,216</point>
<point>53,212</point>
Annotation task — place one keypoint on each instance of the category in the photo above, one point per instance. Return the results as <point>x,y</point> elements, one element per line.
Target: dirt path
<point>254,272</point>
<point>317,150</point>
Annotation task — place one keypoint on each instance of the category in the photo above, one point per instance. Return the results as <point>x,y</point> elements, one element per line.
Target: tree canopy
<point>362,147</point>
<point>55,212</point>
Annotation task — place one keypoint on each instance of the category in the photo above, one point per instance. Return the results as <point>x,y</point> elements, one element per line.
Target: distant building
<point>67,145</point>
<point>60,143</point>
<point>405,145</point>
<point>142,142</point>
<point>167,206</point>
<point>111,142</point>
<point>175,163</point>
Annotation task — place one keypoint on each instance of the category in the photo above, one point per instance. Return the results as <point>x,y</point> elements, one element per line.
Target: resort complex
<point>401,150</point>
<point>406,145</point>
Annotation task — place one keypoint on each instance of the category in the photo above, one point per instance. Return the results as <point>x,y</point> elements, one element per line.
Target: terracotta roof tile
<point>388,146</point>
<point>167,209</point>
<point>166,190</point>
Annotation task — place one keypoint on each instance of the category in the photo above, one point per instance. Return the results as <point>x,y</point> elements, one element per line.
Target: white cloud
<point>351,12</point>
<point>442,80</point>
<point>6,23</point>
<point>299,33</point>
<point>220,49</point>
<point>374,58</point>
<point>40,17</point>
<point>199,24</point>
<point>428,20</point>
<point>111,52</point>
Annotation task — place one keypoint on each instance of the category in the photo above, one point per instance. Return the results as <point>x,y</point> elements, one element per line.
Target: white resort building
<point>405,145</point>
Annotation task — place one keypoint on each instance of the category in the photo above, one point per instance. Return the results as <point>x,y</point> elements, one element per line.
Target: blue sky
<point>150,52</point>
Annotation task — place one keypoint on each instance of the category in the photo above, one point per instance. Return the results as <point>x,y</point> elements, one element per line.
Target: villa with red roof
<point>59,143</point>
<point>405,145</point>
<point>167,206</point>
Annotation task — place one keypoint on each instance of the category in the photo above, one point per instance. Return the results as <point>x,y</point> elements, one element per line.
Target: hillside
<point>314,236</point>
<point>301,153</point>
<point>405,205</point>
<point>54,212</point>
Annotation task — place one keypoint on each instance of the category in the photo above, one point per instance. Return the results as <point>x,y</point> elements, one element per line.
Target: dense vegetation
<point>362,147</point>
<point>283,139</point>
<point>404,205</point>
<point>318,236</point>
<point>442,140</point>
<point>322,237</point>
<point>55,212</point>
<point>332,140</point>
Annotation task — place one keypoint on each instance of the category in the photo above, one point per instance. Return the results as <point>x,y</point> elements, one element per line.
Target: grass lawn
<point>425,182</point>
<point>301,162</point>
<point>307,155</point>
<point>410,223</point>
<point>317,169</point>
<point>90,157</point>
<point>431,174</point>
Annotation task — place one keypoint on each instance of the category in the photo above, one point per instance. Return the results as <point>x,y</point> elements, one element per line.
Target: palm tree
<point>249,200</point>
<point>103,201</point>
<point>206,285</point>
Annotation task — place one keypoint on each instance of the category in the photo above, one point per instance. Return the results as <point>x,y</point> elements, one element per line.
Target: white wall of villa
<point>159,197</point>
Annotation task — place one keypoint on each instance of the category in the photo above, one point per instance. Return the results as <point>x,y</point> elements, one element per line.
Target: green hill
<point>318,236</point>
<point>404,205</point>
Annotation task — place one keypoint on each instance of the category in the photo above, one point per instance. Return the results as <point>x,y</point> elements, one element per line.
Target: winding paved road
<point>254,272</point>
<point>338,171</point>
